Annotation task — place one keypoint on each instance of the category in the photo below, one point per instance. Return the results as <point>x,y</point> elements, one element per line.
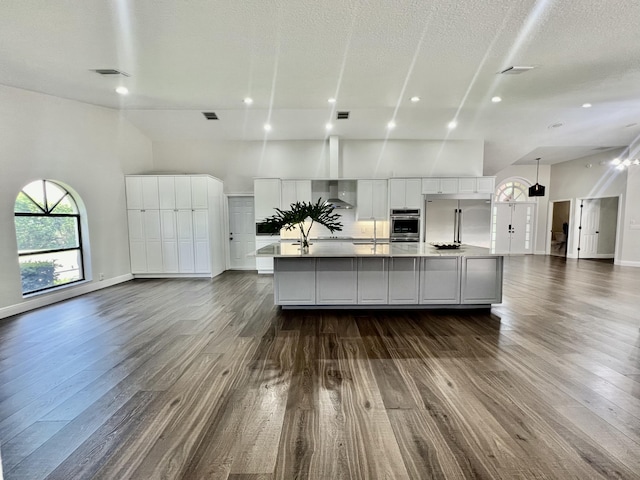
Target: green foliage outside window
<point>38,275</point>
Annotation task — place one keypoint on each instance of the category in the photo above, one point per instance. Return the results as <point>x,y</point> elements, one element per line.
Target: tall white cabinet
<point>176,225</point>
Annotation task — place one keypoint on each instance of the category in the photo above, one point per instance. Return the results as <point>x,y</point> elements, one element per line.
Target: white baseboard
<point>626,263</point>
<point>45,299</point>
<point>540,252</point>
<point>172,275</point>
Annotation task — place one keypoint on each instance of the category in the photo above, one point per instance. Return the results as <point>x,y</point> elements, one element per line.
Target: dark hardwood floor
<point>206,379</point>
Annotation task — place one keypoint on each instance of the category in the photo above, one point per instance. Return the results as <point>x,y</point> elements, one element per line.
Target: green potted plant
<point>296,218</point>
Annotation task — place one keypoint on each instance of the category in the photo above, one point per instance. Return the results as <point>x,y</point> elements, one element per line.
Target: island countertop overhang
<point>349,249</point>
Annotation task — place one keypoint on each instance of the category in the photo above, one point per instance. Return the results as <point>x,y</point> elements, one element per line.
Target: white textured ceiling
<point>189,56</point>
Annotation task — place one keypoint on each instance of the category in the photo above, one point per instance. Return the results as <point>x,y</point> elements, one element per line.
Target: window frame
<point>48,213</point>
<point>510,183</point>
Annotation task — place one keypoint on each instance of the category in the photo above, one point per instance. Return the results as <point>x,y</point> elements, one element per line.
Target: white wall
<point>588,177</point>
<point>528,172</point>
<point>411,158</point>
<point>630,229</point>
<point>237,163</point>
<point>574,180</point>
<point>86,147</point>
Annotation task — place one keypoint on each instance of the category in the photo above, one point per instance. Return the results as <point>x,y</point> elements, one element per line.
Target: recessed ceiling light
<point>496,99</point>
<point>391,125</point>
<point>586,105</point>
<point>122,90</point>
<point>615,161</point>
<point>556,125</point>
<point>332,100</point>
<point>328,126</point>
<point>452,124</point>
<point>630,125</point>
<point>267,127</point>
<point>248,101</point>
<point>415,99</point>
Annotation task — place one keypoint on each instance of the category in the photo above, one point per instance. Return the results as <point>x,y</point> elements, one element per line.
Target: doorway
<point>242,239</point>
<point>597,226</point>
<point>560,215</point>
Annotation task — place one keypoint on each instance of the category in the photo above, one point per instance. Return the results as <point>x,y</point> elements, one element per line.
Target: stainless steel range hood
<point>335,196</point>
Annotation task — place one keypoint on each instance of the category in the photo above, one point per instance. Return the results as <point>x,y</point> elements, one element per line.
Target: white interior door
<point>242,235</point>
<point>590,221</point>
<point>513,227</point>
<point>522,228</point>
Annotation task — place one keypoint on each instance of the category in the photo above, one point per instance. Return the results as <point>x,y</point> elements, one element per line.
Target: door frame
<point>227,227</point>
<point>547,249</point>
<point>574,219</point>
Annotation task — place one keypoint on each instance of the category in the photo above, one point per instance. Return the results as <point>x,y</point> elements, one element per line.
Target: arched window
<point>512,191</point>
<point>49,238</point>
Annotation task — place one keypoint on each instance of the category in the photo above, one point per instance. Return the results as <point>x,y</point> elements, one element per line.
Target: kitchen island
<point>392,275</point>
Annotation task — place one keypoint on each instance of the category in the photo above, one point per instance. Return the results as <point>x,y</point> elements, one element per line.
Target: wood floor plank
<point>206,378</point>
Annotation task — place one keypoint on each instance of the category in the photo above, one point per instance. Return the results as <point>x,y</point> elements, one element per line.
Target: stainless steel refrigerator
<point>455,220</point>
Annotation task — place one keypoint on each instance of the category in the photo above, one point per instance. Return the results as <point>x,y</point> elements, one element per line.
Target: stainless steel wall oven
<point>405,225</point>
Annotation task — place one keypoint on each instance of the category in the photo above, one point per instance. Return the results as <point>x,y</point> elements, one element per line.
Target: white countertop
<point>349,249</point>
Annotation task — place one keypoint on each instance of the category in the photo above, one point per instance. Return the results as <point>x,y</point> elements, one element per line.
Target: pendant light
<point>537,190</point>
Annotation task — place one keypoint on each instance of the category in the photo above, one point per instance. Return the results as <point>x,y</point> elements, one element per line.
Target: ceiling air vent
<point>111,71</point>
<point>342,116</point>
<point>516,70</point>
<point>210,115</point>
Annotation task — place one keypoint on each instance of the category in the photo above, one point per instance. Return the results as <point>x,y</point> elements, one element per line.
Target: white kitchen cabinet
<point>266,193</point>
<point>295,283</point>
<point>293,191</point>
<point>142,192</point>
<point>405,193</point>
<point>201,241</point>
<point>481,280</point>
<point>440,280</point>
<point>435,185</point>
<point>403,280</point>
<point>184,222</point>
<point>372,200</point>
<point>264,265</point>
<point>336,281</point>
<point>467,185</point>
<point>174,192</point>
<point>476,184</point>
<point>373,281</point>
<point>145,241</point>
<point>199,193</point>
<point>179,241</point>
<point>486,184</point>
<point>169,241</point>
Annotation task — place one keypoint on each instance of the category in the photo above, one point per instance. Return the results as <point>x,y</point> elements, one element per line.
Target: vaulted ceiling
<point>189,56</point>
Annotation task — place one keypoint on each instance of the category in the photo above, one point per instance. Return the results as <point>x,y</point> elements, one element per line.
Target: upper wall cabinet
<point>486,185</point>
<point>405,193</point>
<point>293,191</point>
<point>142,192</point>
<point>372,200</point>
<point>457,185</point>
<point>175,192</point>
<point>266,197</point>
<point>436,185</point>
